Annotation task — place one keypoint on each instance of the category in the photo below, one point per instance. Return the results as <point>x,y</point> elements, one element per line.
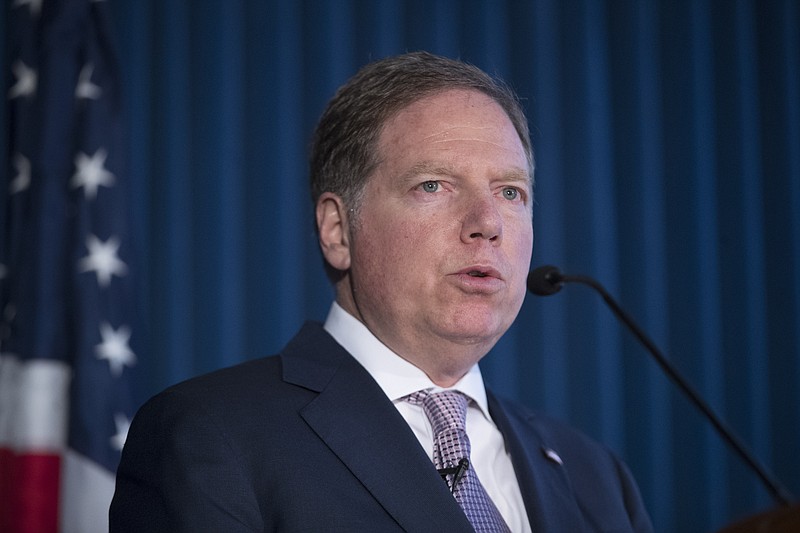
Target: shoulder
<point>242,378</point>
<point>261,377</point>
<point>239,391</point>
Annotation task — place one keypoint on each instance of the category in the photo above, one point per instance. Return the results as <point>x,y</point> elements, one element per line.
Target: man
<point>421,174</point>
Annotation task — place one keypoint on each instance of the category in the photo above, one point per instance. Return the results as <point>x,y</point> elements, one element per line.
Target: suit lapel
<point>545,486</point>
<point>389,462</point>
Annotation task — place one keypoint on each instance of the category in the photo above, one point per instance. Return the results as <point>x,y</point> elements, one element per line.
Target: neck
<point>444,360</point>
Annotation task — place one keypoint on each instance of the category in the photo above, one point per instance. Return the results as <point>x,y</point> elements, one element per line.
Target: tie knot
<point>445,410</point>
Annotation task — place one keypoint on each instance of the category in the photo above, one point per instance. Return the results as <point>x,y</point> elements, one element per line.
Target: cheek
<point>522,253</point>
<point>408,261</point>
<point>522,235</point>
<point>526,246</point>
<point>388,253</point>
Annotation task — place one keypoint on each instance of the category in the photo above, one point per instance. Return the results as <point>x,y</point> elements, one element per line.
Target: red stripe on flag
<point>29,498</point>
<point>6,456</point>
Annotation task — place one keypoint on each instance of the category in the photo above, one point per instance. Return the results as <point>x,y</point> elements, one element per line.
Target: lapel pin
<point>553,456</point>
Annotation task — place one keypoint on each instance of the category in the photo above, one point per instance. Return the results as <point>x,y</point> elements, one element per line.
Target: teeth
<point>477,274</point>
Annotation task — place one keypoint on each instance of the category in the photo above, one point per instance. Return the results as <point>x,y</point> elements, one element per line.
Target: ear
<point>334,234</point>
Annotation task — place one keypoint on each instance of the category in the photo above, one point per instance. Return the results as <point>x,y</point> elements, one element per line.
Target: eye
<point>510,193</point>
<point>430,186</point>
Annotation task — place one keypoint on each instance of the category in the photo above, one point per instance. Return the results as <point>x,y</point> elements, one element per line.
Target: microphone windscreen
<point>545,280</point>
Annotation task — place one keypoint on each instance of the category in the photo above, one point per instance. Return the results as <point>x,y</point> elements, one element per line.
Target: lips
<point>479,271</point>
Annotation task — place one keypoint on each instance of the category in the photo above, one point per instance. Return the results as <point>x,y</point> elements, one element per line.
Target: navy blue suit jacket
<point>307,441</point>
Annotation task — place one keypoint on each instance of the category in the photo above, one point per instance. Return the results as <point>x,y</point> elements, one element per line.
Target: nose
<point>482,221</point>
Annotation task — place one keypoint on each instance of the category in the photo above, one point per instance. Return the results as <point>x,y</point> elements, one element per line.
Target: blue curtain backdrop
<point>667,135</point>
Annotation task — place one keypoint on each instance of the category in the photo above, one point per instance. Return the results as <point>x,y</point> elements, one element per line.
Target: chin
<point>476,329</point>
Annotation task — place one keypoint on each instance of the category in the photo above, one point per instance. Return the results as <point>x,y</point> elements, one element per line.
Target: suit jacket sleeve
<point>179,473</point>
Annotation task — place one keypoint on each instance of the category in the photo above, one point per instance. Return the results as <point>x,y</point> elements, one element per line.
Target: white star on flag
<point>103,259</point>
<point>123,425</point>
<point>114,348</point>
<point>27,80</point>
<point>90,173</point>
<point>85,88</point>
<point>23,178</point>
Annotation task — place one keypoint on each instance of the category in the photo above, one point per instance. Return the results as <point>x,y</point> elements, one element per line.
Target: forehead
<point>442,104</point>
<point>444,120</point>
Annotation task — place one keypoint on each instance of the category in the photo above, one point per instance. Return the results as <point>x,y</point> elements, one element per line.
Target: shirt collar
<point>396,376</point>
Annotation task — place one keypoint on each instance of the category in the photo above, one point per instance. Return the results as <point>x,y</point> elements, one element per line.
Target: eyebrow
<point>437,169</point>
<point>426,167</point>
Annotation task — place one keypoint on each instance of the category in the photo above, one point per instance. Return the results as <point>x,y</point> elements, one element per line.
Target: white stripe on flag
<point>86,491</point>
<point>33,404</point>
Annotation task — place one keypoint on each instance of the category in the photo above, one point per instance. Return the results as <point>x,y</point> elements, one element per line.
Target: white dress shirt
<point>399,378</point>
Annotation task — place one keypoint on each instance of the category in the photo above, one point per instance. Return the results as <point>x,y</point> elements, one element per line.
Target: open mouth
<point>477,274</point>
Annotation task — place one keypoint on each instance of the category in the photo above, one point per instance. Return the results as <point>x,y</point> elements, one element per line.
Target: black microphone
<point>547,280</point>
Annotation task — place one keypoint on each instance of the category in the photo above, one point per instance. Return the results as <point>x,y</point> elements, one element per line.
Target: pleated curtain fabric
<point>667,141</point>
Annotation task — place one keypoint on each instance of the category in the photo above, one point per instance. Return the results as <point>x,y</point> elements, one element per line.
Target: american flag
<point>66,270</point>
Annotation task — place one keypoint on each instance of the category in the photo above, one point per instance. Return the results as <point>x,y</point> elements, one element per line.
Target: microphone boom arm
<point>778,492</point>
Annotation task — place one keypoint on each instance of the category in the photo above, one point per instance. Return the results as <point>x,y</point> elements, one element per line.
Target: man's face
<point>442,245</point>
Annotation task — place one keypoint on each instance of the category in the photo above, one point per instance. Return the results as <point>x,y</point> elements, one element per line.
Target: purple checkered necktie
<point>447,412</point>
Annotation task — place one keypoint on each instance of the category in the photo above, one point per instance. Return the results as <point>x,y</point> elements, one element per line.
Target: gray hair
<point>344,146</point>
